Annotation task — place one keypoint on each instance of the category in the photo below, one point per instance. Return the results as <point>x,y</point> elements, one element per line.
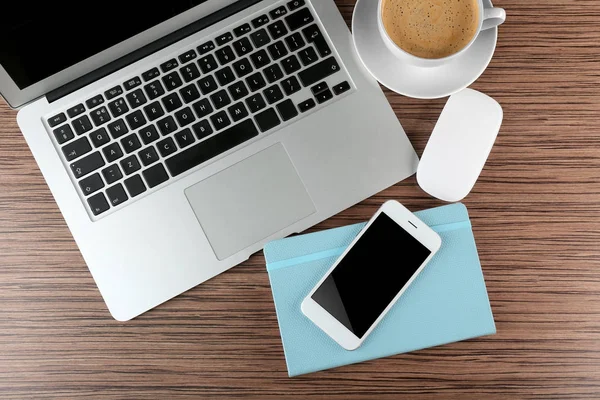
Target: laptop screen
<point>37,41</point>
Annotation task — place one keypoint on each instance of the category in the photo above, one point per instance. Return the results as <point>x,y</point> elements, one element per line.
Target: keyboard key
<point>154,90</point>
<point>136,120</point>
<point>167,125</point>
<point>207,63</point>
<point>172,81</point>
<point>291,64</point>
<point>149,75</point>
<point>295,41</point>
<point>112,152</point>
<point>82,125</point>
<point>260,59</point>
<point>287,110</point>
<point>220,120</point>
<point>185,117</point>
<point>130,165</point>
<point>256,102</point>
<point>225,55</point>
<point>220,99</point>
<point>206,47</point>
<point>91,184</point>
<point>169,65</point>
<point>156,175</point>
<point>341,88</point>
<point>256,82</point>
<point>299,19</point>
<point>136,98</point>
<point>117,128</point>
<point>290,85</point>
<point>132,83</point>
<point>87,165</point>
<point>211,147</point>
<point>135,186</point>
<point>224,38</point>
<point>131,143</point>
<point>273,73</point>
<point>202,129</point>
<point>267,119</point>
<point>57,120</point>
<point>149,134</point>
<point>324,96</point>
<point>278,12</point>
<point>184,138</point>
<point>190,72</point>
<point>319,87</point>
<point>77,148</point>
<point>238,111</point>
<point>238,90</point>
<point>94,101</point>
<point>100,116</point>
<point>260,21</point>
<point>277,50</point>
<point>260,38</point>
<point>308,56</point>
<point>172,102</point>
<point>63,134</point>
<point>242,30</point>
<point>154,111</point>
<point>116,195</point>
<point>273,94</point>
<point>98,204</point>
<point>118,107</point>
<point>225,76</point>
<point>112,174</point>
<point>319,71</point>
<point>148,156</point>
<point>243,46</point>
<point>313,35</point>
<point>295,4</point>
<point>242,67</point>
<point>76,110</point>
<point>187,56</point>
<point>207,85</point>
<point>166,147</point>
<point>277,29</point>
<point>100,137</point>
<point>190,93</point>
<point>202,108</point>
<point>306,105</point>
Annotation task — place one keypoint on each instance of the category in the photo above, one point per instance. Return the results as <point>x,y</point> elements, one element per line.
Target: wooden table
<point>536,218</point>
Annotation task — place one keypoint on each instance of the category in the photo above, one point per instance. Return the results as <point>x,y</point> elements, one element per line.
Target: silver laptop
<point>179,137</point>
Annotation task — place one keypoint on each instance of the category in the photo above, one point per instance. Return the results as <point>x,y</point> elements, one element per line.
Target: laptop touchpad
<point>250,201</point>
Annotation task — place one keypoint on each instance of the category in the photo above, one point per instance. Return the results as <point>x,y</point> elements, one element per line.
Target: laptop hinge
<point>150,48</point>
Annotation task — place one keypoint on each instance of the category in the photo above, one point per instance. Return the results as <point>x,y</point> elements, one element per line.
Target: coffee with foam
<point>431,28</point>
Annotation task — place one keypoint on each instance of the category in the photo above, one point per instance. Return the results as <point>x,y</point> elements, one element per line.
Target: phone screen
<point>371,274</point>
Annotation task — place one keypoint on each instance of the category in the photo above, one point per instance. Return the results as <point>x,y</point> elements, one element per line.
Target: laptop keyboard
<point>241,84</point>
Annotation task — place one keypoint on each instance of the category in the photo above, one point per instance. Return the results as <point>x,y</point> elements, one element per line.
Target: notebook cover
<point>447,302</point>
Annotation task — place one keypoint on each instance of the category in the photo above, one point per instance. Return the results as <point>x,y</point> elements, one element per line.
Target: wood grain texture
<point>536,218</point>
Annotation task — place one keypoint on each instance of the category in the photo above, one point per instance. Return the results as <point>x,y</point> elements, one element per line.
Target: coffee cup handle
<point>492,17</point>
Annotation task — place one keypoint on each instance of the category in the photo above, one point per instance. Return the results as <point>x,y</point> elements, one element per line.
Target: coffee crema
<point>431,28</point>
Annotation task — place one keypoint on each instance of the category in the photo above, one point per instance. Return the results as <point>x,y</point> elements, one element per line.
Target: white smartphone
<point>371,275</point>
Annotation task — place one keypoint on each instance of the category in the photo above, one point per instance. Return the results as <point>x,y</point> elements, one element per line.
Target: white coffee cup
<point>489,17</point>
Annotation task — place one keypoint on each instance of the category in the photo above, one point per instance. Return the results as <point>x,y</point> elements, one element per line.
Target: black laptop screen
<point>38,40</point>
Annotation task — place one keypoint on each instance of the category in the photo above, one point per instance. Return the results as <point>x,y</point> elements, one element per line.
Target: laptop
<point>179,137</point>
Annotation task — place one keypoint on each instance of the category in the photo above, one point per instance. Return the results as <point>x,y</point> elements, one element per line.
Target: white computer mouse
<point>459,145</point>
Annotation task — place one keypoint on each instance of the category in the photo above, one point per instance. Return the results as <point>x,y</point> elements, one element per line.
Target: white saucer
<point>410,80</point>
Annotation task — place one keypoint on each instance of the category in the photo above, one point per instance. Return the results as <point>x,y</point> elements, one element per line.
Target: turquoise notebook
<point>448,301</point>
